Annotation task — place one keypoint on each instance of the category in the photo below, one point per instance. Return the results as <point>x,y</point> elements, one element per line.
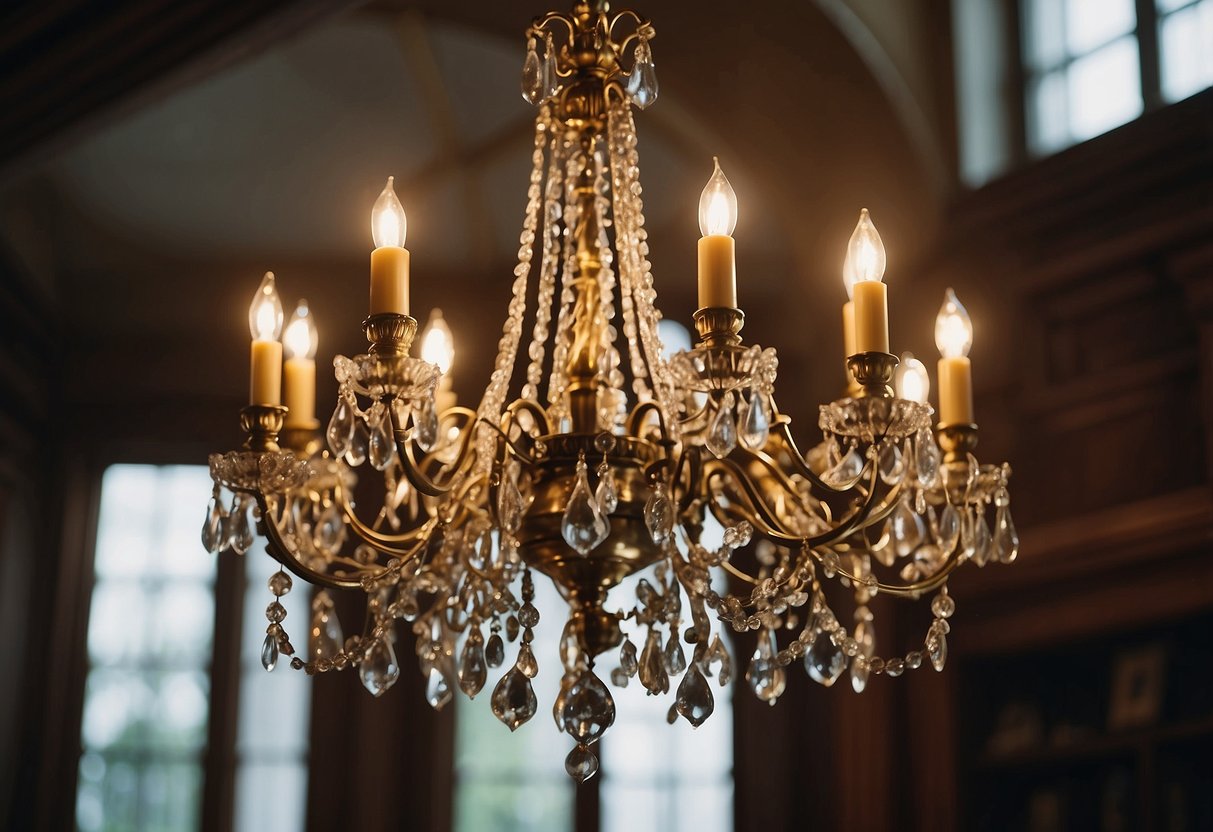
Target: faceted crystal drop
<point>588,708</point>
<point>754,425</point>
<point>620,678</point>
<point>653,674</point>
<point>607,492</point>
<point>892,465</point>
<point>509,505</point>
<point>532,80</point>
<point>905,528</point>
<point>329,532</point>
<point>659,516</point>
<point>859,674</point>
<point>583,527</point>
<point>341,428</point>
<point>355,454</point>
<point>764,677</point>
<point>825,660</point>
<point>325,638</point>
<point>722,435</point>
<point>975,536</point>
<point>865,635</point>
<point>948,529</point>
<point>549,76</point>
<point>570,646</point>
<point>512,627</point>
<point>695,702</point>
<point>675,659</point>
<point>642,83</point>
<point>269,653</point>
<point>846,471</point>
<point>494,651</point>
<point>581,764</point>
<point>240,525</point>
<point>1006,540</point>
<point>472,668</point>
<point>627,658</point>
<point>513,699</point>
<point>378,668</point>
<point>437,688</point>
<point>926,457</point>
<point>212,527</point>
<point>381,448</point>
<point>425,426</point>
<point>937,650</point>
<point>526,661</point>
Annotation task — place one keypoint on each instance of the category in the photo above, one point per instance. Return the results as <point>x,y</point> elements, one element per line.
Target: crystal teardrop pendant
<point>825,660</point>
<point>381,448</point>
<point>355,454</point>
<point>659,516</point>
<point>607,492</point>
<point>513,699</point>
<point>905,528</point>
<point>926,457</point>
<point>532,81</point>
<point>583,527</point>
<point>325,638</point>
<point>581,764</point>
<point>754,422</point>
<point>892,464</point>
<point>865,635</point>
<point>975,536</point>
<point>437,687</point>
<point>764,676</point>
<point>548,76</point>
<point>1005,544</point>
<point>627,658</point>
<point>653,674</point>
<point>509,504</point>
<point>675,659</point>
<point>722,435</point>
<point>212,528</point>
<point>494,651</point>
<point>425,426</point>
<point>695,702</point>
<point>526,661</point>
<point>341,427</point>
<point>472,669</point>
<point>948,531</point>
<point>588,708</point>
<point>240,525</point>
<point>937,649</point>
<point>378,668</point>
<point>269,653</point>
<point>329,531</point>
<point>642,82</point>
<point>846,471</point>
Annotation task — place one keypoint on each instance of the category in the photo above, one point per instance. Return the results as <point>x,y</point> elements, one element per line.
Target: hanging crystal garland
<point>609,462</point>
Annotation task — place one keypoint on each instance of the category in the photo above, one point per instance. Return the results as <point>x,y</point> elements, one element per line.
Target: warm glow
<point>717,205</point>
<point>953,329</point>
<point>300,340</point>
<point>912,381</point>
<point>437,345</point>
<point>388,222</point>
<point>265,312</point>
<point>865,254</point>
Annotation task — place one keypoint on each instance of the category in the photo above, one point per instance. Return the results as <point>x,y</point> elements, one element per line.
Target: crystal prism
<point>583,526</point>
<point>905,528</point>
<point>240,525</point>
<point>509,505</point>
<point>659,516</point>
<point>513,699</point>
<point>588,708</point>
<point>627,658</point>
<point>341,427</point>
<point>825,660</point>
<point>764,676</point>
<point>437,687</point>
<point>425,426</point>
<point>754,424</point>
<point>653,674</point>
<point>472,668</point>
<point>381,448</point>
<point>378,668</point>
<point>926,457</point>
<point>581,764</point>
<point>675,659</point>
<point>892,464</point>
<point>607,492</point>
<point>325,638</point>
<point>494,651</point>
<point>212,528</point>
<point>948,529</point>
<point>269,653</point>
<point>532,80</point>
<point>329,532</point>
<point>1006,539</point>
<point>846,471</point>
<point>355,454</point>
<point>695,702</point>
<point>642,82</point>
<point>722,435</point>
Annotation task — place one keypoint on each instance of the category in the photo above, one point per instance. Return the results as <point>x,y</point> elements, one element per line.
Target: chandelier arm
<point>766,461</point>
<point>636,419</point>
<point>278,549</point>
<point>412,471</point>
<point>540,25</point>
<point>535,409</point>
<point>784,432</point>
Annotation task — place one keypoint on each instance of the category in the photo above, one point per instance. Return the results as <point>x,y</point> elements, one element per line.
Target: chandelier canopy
<point>664,497</point>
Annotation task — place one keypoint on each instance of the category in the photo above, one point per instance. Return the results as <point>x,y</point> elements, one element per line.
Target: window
<point>1082,70</point>
<point>147,702</point>
<point>1185,42</point>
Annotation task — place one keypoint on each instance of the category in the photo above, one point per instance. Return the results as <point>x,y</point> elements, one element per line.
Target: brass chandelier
<point>591,457</point>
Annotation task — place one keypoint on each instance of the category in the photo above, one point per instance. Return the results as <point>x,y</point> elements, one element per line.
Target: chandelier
<point>665,497</point>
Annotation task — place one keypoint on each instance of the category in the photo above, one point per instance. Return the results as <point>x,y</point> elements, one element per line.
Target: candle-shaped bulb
<point>265,312</point>
<point>437,345</point>
<point>300,340</point>
<point>389,225</point>
<point>953,329</point>
<point>911,381</point>
<point>717,205</point>
<point>865,254</point>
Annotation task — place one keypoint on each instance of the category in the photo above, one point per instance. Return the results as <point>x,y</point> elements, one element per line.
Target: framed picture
<point>1137,687</point>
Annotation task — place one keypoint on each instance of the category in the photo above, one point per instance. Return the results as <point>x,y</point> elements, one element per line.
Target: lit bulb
<point>300,340</point>
<point>388,222</point>
<point>911,380</point>
<point>437,345</point>
<point>265,312</point>
<point>865,254</point>
<point>717,205</point>
<point>953,329</point>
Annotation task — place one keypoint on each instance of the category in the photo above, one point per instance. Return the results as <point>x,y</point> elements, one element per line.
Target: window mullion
<point>219,783</point>
<point>1150,58</point>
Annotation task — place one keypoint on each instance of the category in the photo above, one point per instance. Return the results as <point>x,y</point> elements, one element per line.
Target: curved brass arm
<point>279,551</point>
<point>412,471</point>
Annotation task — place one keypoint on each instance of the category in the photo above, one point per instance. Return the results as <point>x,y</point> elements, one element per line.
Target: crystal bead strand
<point>547,274</point>
<point>564,319</point>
